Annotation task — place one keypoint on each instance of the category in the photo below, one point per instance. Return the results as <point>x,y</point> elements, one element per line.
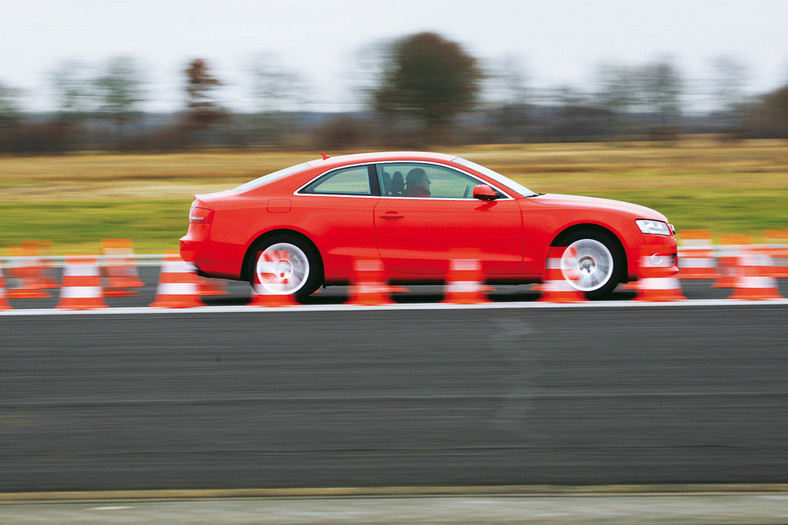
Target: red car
<point>304,226</point>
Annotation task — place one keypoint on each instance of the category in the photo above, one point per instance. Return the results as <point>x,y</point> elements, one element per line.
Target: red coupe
<point>304,226</point>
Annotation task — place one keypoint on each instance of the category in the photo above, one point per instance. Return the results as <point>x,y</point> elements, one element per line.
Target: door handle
<point>392,215</point>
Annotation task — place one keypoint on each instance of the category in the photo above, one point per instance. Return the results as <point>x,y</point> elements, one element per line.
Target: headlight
<point>653,227</point>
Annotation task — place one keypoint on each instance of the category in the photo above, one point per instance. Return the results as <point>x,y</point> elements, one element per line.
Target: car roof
<point>381,156</point>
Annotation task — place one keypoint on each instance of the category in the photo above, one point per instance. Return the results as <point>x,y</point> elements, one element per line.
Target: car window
<point>415,179</point>
<point>265,179</point>
<point>346,181</point>
<point>497,177</point>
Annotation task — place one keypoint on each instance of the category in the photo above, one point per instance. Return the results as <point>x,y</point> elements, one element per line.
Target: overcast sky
<point>556,41</point>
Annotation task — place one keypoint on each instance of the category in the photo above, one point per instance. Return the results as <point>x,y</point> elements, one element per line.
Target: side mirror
<point>484,192</point>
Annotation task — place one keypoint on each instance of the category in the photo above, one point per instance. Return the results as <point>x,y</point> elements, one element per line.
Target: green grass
<point>723,211</point>
<point>75,201</point>
<point>77,227</point>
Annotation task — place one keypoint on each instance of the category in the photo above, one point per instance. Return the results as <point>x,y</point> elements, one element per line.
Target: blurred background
<point>674,105</point>
<point>164,76</point>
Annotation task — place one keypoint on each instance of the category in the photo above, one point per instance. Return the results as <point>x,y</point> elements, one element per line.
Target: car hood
<point>594,203</point>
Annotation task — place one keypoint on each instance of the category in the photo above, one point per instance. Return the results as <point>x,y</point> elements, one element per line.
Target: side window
<point>413,179</point>
<point>347,181</point>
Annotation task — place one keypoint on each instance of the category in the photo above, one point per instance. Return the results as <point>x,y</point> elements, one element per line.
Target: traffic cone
<point>556,289</point>
<point>25,270</point>
<point>778,250</point>
<point>45,278</point>
<point>730,251</point>
<point>465,282</point>
<point>756,280</point>
<point>3,301</point>
<point>120,268</point>
<point>81,289</point>
<point>697,259</point>
<point>177,284</point>
<point>369,286</point>
<point>657,281</point>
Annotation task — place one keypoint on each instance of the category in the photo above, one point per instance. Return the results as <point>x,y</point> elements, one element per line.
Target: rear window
<point>265,179</point>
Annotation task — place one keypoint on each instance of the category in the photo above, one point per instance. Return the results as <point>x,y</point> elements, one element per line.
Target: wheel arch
<point>283,231</point>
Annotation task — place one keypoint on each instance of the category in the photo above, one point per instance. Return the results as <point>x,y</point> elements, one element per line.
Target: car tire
<point>598,264</point>
<point>285,264</point>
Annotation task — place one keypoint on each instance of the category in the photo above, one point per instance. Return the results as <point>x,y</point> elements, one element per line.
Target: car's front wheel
<point>284,265</point>
<point>592,263</point>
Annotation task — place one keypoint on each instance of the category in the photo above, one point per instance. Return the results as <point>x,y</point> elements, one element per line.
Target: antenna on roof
<point>325,156</point>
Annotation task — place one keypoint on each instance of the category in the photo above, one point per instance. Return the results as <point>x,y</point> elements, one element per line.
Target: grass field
<point>75,201</point>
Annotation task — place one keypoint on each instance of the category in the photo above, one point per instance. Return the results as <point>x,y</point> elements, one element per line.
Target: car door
<point>418,231</point>
<point>336,210</point>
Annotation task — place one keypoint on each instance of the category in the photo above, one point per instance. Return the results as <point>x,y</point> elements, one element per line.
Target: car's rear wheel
<point>593,262</point>
<point>284,265</point>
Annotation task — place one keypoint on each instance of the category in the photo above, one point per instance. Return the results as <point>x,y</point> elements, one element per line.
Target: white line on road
<point>392,307</point>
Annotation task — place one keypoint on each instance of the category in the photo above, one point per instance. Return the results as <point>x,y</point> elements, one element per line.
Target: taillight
<point>199,215</point>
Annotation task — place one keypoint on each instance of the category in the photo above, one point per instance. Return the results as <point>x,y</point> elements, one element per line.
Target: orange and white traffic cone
<point>120,268</point>
<point>555,288</point>
<point>778,250</point>
<point>81,289</point>
<point>756,280</point>
<point>697,259</point>
<point>465,283</point>
<point>369,286</point>
<point>25,269</point>
<point>657,281</point>
<point>177,284</point>
<point>3,301</point>
<point>45,278</point>
<point>731,249</point>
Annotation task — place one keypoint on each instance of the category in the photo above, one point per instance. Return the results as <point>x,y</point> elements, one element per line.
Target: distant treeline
<point>417,92</point>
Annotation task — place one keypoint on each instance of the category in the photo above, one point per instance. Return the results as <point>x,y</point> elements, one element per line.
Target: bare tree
<point>73,90</point>
<point>274,85</point>
<point>730,79</point>
<point>118,90</point>
<point>660,86</point>
<point>202,107</point>
<point>9,106</point>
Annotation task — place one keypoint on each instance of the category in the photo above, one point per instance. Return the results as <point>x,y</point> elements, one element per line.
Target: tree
<point>274,85</point>
<point>507,94</point>
<point>118,90</point>
<point>730,79</point>
<point>771,115</point>
<point>617,89</point>
<point>660,88</point>
<point>9,108</point>
<point>428,77</point>
<point>203,109</point>
<point>73,89</point>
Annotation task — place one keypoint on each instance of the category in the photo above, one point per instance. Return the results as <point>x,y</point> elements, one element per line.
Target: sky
<point>555,42</point>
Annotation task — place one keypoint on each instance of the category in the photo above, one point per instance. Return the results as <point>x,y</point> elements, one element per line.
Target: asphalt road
<point>690,394</point>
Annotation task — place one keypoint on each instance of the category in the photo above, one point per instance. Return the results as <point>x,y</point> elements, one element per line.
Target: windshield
<point>497,177</point>
<point>265,179</point>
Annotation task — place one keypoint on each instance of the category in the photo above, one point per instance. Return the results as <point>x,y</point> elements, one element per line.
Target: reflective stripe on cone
<point>755,281</point>
<point>177,284</point>
<point>369,286</point>
<point>465,282</point>
<point>81,288</point>
<point>697,259</point>
<point>657,282</point>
